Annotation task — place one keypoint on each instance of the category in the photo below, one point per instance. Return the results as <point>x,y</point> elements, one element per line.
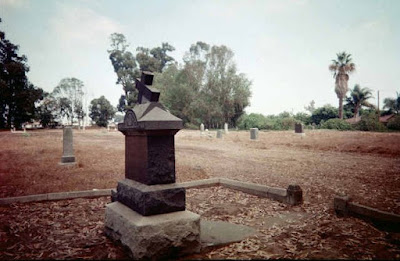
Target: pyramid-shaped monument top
<point>149,114</point>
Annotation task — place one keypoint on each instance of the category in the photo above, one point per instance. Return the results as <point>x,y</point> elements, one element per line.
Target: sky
<point>284,47</point>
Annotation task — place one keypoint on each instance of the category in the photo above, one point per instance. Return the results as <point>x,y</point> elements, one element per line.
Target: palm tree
<point>341,69</point>
<point>359,97</point>
<point>392,104</point>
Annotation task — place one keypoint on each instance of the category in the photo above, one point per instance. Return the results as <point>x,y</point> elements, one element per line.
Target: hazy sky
<point>284,47</point>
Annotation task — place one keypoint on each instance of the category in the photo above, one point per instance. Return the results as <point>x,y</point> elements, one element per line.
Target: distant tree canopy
<point>17,95</point>
<point>359,97</point>
<point>207,89</point>
<point>101,111</point>
<point>126,65</point>
<point>68,96</point>
<point>324,113</point>
<point>392,105</point>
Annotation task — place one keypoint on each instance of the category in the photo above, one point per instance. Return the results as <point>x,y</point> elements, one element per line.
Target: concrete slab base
<point>214,233</point>
<point>153,237</point>
<point>67,163</point>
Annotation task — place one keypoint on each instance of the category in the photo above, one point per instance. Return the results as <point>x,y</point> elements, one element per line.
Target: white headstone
<point>254,133</point>
<point>226,128</point>
<point>202,127</point>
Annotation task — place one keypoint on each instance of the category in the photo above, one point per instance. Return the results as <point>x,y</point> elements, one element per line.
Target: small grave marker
<point>298,128</point>
<point>226,128</point>
<point>254,133</point>
<point>219,134</point>
<point>68,147</point>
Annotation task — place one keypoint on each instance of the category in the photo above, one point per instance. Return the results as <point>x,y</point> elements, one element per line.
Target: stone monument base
<point>68,159</point>
<point>153,237</point>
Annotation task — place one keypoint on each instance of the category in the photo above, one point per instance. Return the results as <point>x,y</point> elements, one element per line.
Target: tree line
<point>206,88</point>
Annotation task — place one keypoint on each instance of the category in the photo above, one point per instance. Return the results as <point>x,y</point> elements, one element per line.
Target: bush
<point>287,123</point>
<point>336,124</point>
<point>252,120</point>
<point>394,123</point>
<point>370,122</point>
<point>323,114</point>
<point>191,126</point>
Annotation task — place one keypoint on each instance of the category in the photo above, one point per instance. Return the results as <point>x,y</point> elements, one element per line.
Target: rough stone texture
<point>202,127</point>
<point>150,159</point>
<point>153,237</point>
<point>254,133</point>
<point>298,128</point>
<point>68,147</point>
<point>294,195</point>
<point>219,134</point>
<point>151,200</point>
<point>114,195</point>
<point>226,127</point>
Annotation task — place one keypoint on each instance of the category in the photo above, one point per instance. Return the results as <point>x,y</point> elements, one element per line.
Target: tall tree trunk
<point>356,110</point>
<point>341,108</point>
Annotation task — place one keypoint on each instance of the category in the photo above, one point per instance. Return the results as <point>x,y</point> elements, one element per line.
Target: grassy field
<point>365,166</point>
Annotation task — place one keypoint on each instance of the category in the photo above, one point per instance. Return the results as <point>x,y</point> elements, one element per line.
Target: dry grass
<point>365,166</point>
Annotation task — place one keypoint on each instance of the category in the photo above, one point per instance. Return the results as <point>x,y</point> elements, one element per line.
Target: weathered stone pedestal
<point>68,157</point>
<point>148,213</point>
<point>254,133</point>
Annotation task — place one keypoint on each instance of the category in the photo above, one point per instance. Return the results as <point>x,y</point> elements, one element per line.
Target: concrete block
<point>203,183</point>
<point>153,237</point>
<point>294,195</point>
<point>340,205</point>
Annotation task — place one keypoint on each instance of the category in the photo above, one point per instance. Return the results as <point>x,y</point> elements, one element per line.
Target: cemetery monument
<point>68,147</point>
<point>254,133</point>
<point>219,134</point>
<point>148,210</point>
<point>298,128</point>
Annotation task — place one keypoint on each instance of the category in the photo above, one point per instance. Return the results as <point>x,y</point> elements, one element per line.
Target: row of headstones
<point>298,128</point>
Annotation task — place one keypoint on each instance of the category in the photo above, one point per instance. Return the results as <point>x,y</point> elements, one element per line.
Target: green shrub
<point>191,126</point>
<point>252,120</point>
<point>394,123</point>
<point>288,123</point>
<point>370,122</point>
<point>324,113</point>
<point>336,124</point>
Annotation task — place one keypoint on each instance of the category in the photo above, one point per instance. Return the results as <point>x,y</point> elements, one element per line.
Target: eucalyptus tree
<point>341,68</point>
<point>358,98</point>
<point>124,64</point>
<point>69,95</point>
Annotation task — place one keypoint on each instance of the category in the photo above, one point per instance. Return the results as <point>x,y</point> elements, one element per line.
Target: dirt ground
<point>365,166</point>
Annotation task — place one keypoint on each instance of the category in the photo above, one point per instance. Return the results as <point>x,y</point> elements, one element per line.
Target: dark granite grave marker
<point>298,128</point>
<point>149,186</point>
